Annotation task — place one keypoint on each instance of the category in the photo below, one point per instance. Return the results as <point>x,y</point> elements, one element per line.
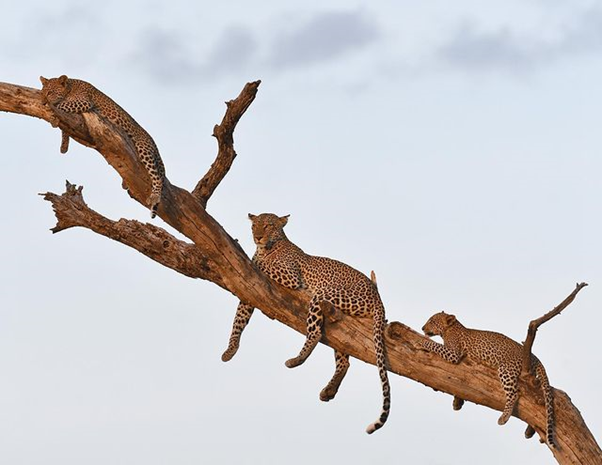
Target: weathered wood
<point>224,133</point>
<point>72,211</point>
<point>225,259</point>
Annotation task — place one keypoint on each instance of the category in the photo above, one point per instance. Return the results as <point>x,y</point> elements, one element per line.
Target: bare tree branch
<point>535,324</point>
<point>230,268</point>
<point>72,211</point>
<point>224,133</point>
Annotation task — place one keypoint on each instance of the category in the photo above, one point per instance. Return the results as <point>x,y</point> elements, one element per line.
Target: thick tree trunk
<point>213,255</point>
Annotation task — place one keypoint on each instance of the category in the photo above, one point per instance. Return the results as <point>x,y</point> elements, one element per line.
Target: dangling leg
<point>64,141</point>
<point>314,333</point>
<point>509,381</point>
<point>458,403</point>
<point>342,365</point>
<point>243,314</point>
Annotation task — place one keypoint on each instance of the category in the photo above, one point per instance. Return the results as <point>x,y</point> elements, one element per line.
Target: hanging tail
<point>549,402</point>
<point>379,346</point>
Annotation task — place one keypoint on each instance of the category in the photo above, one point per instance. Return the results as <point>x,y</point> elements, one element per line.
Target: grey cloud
<point>472,49</point>
<point>506,50</point>
<point>585,35</point>
<point>165,56</point>
<point>232,52</point>
<point>324,37</point>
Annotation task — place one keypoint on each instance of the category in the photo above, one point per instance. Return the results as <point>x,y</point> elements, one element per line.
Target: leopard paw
<point>294,362</point>
<point>153,203</point>
<point>327,394</point>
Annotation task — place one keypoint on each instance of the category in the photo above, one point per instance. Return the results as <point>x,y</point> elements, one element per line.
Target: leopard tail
<point>549,402</point>
<point>379,346</point>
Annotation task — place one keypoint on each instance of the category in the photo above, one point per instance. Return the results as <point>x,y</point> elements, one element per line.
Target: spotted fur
<point>328,281</point>
<point>495,350</point>
<point>75,96</point>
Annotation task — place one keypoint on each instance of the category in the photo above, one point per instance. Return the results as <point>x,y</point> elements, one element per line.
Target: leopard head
<point>438,323</point>
<point>267,229</point>
<point>54,89</point>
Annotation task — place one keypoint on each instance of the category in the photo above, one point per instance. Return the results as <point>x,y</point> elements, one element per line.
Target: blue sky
<point>453,149</point>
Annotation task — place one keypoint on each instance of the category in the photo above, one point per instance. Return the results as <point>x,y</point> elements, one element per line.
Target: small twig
<point>225,141</point>
<point>535,324</point>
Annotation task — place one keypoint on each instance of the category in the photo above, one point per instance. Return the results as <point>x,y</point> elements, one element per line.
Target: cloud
<point>325,37</point>
<point>233,51</point>
<point>165,56</point>
<point>469,48</point>
<point>504,49</point>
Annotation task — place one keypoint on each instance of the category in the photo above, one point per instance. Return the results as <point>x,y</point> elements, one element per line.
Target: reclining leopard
<point>327,280</point>
<point>76,96</point>
<point>495,350</point>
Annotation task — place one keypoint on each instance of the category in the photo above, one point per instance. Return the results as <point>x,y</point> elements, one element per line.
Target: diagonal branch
<point>224,133</point>
<point>72,211</point>
<point>226,260</point>
<point>535,324</point>
<point>476,383</point>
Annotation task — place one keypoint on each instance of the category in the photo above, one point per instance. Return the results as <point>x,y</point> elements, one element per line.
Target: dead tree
<point>215,256</point>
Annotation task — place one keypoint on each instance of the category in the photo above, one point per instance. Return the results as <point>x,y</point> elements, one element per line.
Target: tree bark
<point>213,255</point>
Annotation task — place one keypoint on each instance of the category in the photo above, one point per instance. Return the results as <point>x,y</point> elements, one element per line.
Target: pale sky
<point>455,150</point>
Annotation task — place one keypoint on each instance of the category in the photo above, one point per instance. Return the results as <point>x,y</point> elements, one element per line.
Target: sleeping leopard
<point>76,96</point>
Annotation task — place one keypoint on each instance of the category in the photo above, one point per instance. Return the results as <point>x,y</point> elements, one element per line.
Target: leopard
<point>77,96</point>
<point>329,282</point>
<point>496,351</point>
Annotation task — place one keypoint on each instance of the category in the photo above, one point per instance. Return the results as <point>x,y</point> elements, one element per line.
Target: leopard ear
<point>252,217</point>
<point>284,219</point>
<point>43,80</point>
<point>450,319</point>
<point>63,80</point>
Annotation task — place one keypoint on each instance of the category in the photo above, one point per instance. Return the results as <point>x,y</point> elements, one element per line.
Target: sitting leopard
<point>75,96</point>
<point>495,350</point>
<point>328,281</point>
